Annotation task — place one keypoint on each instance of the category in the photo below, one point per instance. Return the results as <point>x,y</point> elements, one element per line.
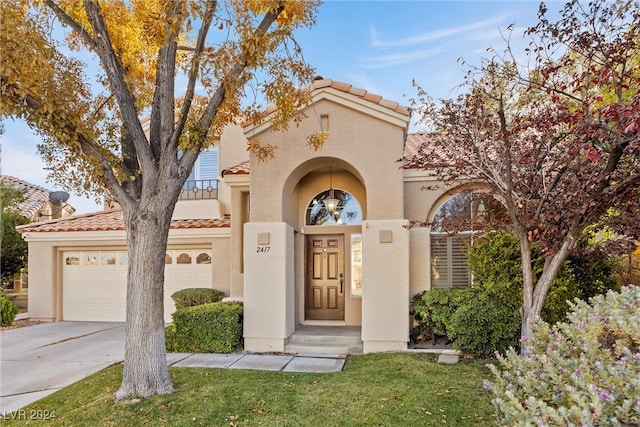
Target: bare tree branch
<point>235,75</point>
<point>194,71</point>
<point>123,95</point>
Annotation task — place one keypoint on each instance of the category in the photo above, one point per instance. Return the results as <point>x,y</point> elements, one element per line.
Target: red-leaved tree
<point>555,140</point>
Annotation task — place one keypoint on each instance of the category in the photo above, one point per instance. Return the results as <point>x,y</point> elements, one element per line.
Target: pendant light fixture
<point>331,203</point>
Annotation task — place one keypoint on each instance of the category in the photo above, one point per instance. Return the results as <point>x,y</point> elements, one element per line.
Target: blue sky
<point>381,46</point>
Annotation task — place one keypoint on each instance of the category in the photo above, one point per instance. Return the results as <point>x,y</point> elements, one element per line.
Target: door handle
<point>341,282</point>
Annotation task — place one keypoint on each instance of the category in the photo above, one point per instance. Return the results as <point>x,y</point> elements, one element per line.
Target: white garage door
<point>95,282</point>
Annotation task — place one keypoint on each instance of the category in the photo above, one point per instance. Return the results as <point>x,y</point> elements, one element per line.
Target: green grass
<point>373,390</point>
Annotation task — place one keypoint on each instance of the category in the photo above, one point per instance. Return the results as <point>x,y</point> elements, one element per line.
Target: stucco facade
<point>268,250</point>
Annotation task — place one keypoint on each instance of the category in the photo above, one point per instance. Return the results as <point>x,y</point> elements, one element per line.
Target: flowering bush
<point>582,372</point>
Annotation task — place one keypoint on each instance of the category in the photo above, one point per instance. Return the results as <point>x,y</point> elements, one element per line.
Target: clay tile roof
<point>361,93</point>
<point>418,150</point>
<point>35,197</point>
<point>239,169</point>
<point>111,220</point>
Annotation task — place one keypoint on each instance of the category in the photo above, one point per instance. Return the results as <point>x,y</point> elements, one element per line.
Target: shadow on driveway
<point>41,359</point>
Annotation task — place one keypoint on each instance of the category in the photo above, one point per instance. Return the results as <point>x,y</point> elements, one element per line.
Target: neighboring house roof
<point>111,220</point>
<point>239,169</point>
<point>35,197</point>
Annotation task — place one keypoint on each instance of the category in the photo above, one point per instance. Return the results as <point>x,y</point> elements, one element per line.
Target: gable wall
<point>366,146</point>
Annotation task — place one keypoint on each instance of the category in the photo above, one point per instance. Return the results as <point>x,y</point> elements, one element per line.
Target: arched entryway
<point>329,269</point>
<point>329,200</point>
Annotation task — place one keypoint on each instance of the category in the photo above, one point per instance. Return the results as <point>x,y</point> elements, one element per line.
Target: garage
<point>94,282</point>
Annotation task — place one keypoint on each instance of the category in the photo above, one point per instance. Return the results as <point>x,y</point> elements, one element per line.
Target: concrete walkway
<point>38,360</point>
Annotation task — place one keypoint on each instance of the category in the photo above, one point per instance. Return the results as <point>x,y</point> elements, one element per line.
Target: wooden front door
<point>325,277</point>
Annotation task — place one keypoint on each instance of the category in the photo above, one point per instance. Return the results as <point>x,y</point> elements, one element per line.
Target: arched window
<point>347,211</point>
<point>203,258</point>
<point>449,267</point>
<point>184,258</point>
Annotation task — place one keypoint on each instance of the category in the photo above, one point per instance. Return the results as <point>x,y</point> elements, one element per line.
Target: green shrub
<point>190,297</point>
<point>207,328</point>
<point>585,371</point>
<point>433,309</point>
<point>594,273</point>
<point>8,311</point>
<point>494,261</point>
<point>486,318</point>
<point>476,323</point>
<point>482,326</point>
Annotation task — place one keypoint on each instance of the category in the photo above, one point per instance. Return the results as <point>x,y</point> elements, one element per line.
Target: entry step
<point>325,340</point>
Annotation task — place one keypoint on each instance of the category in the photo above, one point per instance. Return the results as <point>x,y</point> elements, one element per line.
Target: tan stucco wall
<point>269,291</point>
<point>365,146</point>
<point>43,271</point>
<point>232,151</point>
<point>201,209</point>
<point>385,289</point>
<point>421,204</point>
<point>239,209</point>
<point>233,147</point>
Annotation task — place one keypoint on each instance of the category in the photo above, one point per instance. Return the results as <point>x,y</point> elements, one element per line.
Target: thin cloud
<point>386,61</point>
<point>377,42</point>
<point>22,162</point>
<point>365,81</point>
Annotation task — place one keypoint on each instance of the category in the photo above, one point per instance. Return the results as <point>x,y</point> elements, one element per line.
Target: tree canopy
<point>94,139</point>
<point>135,134</point>
<point>555,139</point>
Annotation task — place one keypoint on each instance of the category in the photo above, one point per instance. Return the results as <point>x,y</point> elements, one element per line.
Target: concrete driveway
<point>41,359</point>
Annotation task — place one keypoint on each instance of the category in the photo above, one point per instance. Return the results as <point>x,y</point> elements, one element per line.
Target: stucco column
<point>269,291</point>
<point>43,282</point>
<point>236,288</point>
<point>385,285</point>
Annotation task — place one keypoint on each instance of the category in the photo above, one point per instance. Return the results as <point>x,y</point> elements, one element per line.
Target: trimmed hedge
<point>477,324</point>
<point>8,310</point>
<point>206,328</point>
<point>483,325</point>
<point>190,297</point>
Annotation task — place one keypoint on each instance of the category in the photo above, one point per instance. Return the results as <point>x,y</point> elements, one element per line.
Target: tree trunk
<point>528,317</point>
<point>534,296</point>
<point>145,359</point>
<point>532,307</point>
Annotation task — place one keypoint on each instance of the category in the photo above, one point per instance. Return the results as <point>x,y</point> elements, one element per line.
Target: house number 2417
<point>263,249</point>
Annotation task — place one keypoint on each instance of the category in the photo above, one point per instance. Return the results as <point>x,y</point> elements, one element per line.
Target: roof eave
<point>382,109</point>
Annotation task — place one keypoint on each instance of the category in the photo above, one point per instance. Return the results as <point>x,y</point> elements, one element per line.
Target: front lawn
<point>376,389</point>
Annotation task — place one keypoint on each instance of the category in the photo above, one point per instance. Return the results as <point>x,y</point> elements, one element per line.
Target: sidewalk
<point>317,363</point>
<point>39,360</point>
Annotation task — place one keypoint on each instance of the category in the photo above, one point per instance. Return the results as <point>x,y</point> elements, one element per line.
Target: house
<point>38,204</point>
<point>307,238</point>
